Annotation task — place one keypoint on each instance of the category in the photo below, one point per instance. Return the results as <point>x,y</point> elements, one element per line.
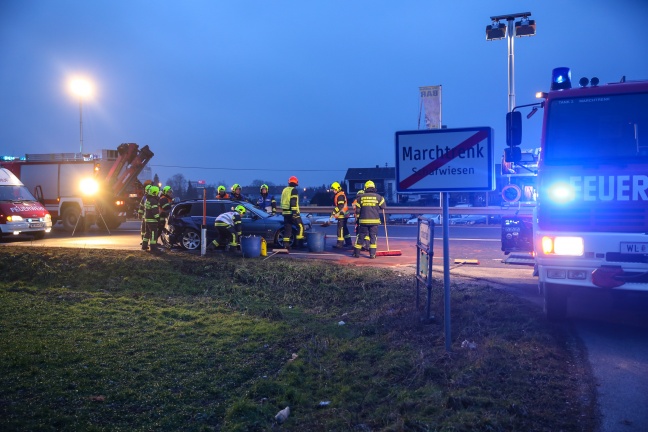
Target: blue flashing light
<point>562,193</point>
<point>561,78</point>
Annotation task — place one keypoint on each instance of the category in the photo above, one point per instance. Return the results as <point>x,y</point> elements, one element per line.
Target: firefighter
<point>369,205</point>
<point>290,211</point>
<point>152,218</point>
<point>356,214</point>
<point>140,210</point>
<point>266,201</point>
<point>229,229</point>
<point>222,193</point>
<point>166,200</point>
<point>236,193</point>
<point>341,214</point>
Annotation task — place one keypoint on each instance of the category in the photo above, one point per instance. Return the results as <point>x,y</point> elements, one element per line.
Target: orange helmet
<point>293,179</point>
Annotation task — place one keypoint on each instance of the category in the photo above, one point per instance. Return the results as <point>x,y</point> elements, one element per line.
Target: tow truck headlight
<point>89,186</point>
<point>570,246</point>
<point>14,218</point>
<point>562,192</point>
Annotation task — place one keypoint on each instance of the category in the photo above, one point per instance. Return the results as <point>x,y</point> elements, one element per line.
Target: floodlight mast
<point>510,34</point>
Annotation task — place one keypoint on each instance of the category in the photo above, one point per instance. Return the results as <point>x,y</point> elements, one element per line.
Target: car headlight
<point>14,218</point>
<point>48,218</point>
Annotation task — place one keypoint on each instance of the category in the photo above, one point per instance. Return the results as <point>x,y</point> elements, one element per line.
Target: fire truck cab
<point>590,226</point>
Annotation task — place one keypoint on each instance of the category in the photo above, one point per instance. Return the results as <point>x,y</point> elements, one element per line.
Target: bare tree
<point>178,184</point>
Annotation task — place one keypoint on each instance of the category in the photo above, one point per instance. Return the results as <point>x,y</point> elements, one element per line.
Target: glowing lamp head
<point>89,186</point>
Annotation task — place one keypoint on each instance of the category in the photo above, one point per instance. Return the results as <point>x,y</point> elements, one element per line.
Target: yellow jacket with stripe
<point>369,206</point>
<point>290,201</point>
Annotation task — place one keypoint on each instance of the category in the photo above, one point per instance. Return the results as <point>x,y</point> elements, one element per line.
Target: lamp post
<point>498,30</point>
<point>81,88</point>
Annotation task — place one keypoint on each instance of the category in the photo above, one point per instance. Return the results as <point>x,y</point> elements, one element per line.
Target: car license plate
<point>36,225</point>
<point>634,248</point>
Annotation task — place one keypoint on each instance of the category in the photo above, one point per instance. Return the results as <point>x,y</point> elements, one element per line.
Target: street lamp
<point>497,30</point>
<point>81,88</point>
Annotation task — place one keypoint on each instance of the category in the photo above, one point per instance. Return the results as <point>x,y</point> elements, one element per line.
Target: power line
<point>248,169</point>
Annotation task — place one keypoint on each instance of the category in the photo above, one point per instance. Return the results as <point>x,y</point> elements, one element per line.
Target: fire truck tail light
<point>568,246</point>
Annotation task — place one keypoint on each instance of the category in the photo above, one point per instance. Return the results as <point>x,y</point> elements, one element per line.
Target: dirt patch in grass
<point>115,340</point>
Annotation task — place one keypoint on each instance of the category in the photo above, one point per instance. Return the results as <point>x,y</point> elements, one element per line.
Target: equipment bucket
<point>315,241</point>
<point>251,246</point>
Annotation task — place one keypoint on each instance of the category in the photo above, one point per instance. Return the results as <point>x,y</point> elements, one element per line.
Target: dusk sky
<point>235,91</point>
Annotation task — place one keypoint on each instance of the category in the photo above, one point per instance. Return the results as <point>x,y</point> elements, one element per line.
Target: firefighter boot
<point>347,242</point>
<point>339,245</point>
<point>356,253</point>
<point>145,245</point>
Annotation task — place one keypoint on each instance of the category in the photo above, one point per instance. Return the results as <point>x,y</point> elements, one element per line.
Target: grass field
<point>102,340</point>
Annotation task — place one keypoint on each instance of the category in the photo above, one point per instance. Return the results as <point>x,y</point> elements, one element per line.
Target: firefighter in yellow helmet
<point>369,205</point>
<point>356,214</point>
<point>236,194</point>
<point>341,214</point>
<point>266,201</point>
<point>151,218</point>
<point>229,229</point>
<point>290,211</point>
<point>222,193</point>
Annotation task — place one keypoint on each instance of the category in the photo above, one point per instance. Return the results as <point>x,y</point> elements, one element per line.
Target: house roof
<point>377,173</point>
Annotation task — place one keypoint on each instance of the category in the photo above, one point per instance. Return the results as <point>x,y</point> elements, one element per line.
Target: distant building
<point>383,177</point>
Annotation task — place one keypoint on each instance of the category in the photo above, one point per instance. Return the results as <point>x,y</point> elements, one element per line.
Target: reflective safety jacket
<point>369,206</point>
<point>165,206</point>
<point>152,209</point>
<point>230,219</point>
<point>268,203</point>
<point>341,209</point>
<point>290,201</point>
<point>222,196</point>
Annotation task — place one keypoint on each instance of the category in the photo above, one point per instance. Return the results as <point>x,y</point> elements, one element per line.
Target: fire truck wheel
<point>70,217</point>
<point>555,301</point>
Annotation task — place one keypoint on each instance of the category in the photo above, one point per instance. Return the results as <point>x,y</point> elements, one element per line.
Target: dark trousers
<point>150,234</point>
<point>343,231</point>
<point>372,232</point>
<point>289,220</point>
<point>226,234</point>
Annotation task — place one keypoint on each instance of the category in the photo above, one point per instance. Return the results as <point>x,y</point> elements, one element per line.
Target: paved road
<point>614,331</point>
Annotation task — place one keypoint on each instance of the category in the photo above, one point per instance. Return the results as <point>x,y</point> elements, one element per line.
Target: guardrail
<point>491,210</point>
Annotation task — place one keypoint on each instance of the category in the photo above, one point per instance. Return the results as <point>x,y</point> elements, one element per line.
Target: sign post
<point>445,160</point>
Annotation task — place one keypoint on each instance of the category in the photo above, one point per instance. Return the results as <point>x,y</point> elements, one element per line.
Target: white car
<point>435,218</point>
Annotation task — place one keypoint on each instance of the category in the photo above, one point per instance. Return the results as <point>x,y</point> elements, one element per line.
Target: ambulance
<point>20,212</point>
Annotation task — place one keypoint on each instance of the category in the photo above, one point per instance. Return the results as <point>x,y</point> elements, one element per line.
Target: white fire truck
<point>77,190</point>
<point>590,226</point>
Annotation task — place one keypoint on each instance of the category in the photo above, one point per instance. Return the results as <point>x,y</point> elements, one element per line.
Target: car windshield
<point>15,193</point>
<point>609,128</point>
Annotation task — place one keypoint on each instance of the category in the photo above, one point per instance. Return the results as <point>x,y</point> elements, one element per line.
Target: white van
<point>20,212</point>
